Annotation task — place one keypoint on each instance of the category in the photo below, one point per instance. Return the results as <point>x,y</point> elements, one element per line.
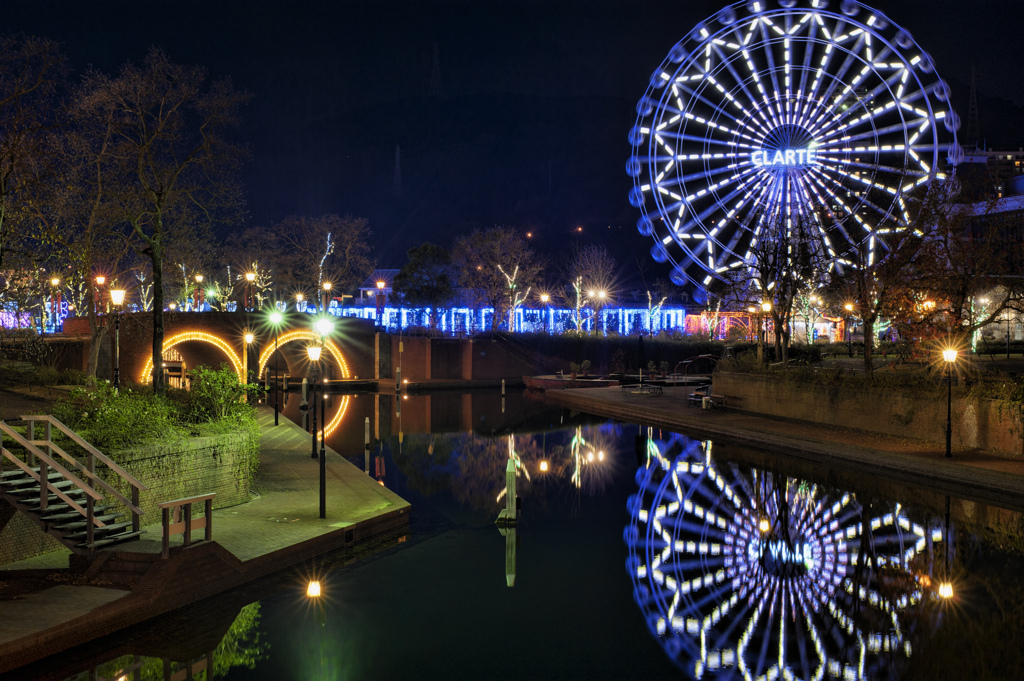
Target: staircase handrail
<point>91,475</point>
<point>77,439</point>
<point>94,454</point>
<point>42,477</point>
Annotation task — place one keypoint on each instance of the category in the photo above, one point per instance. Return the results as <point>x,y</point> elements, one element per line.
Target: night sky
<point>523,123</point>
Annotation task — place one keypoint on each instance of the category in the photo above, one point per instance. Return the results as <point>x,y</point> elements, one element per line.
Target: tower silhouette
<point>973,132</point>
<point>435,76</point>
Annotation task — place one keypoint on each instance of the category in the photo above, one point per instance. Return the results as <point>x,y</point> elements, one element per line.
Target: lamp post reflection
<point>946,587</point>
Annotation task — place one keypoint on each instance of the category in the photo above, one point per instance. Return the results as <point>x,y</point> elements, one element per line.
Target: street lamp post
<point>54,301</point>
<point>950,357</point>
<point>314,356</point>
<point>545,298</point>
<point>324,327</point>
<point>117,298</point>
<point>1007,334</point>
<point>249,337</point>
<point>98,302</point>
<point>849,331</point>
<point>380,303</point>
<point>313,352</point>
<point>327,291</point>
<point>275,319</point>
<point>250,277</point>
<point>766,307</point>
<point>197,302</point>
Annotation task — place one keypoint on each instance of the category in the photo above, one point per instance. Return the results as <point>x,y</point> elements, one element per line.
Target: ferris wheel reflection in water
<point>745,573</point>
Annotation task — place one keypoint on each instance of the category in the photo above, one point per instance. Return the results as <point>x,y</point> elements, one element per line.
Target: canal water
<point>638,554</point>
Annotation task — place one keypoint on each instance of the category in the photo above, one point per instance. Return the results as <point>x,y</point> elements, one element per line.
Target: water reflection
<point>746,573</point>
<point>240,647</point>
<point>472,467</point>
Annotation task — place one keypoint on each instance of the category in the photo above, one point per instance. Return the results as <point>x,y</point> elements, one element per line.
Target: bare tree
<point>168,125</point>
<point>591,275</point>
<point>32,72</point>
<point>786,252</point>
<point>499,264</point>
<point>328,248</point>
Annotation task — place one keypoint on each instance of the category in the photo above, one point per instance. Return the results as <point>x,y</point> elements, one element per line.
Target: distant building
<point>1001,166</point>
<point>368,289</point>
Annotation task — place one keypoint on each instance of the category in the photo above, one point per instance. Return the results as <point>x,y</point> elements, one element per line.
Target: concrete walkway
<point>979,476</point>
<point>280,528</point>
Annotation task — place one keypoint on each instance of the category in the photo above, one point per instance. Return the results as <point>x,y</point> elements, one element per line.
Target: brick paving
<point>977,475</point>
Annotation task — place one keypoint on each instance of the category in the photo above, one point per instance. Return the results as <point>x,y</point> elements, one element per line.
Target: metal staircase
<point>65,496</point>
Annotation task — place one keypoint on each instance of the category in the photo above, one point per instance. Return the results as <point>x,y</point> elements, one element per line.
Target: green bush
<point>135,415</point>
<point>216,395</point>
<point>112,421</point>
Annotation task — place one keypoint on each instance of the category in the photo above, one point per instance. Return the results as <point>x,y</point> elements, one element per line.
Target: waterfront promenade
<point>975,475</point>
<point>280,529</point>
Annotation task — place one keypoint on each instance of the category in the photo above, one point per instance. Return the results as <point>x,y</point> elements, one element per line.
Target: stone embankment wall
<point>977,423</point>
<point>171,470</point>
<point>194,466</point>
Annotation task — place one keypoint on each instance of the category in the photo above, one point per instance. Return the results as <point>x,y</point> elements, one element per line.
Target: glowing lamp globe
<point>314,353</point>
<point>100,280</point>
<point>949,355</point>
<point>946,590</point>
<point>380,285</point>
<point>766,307</point>
<point>117,296</point>
<point>324,326</point>
<point>764,525</point>
<point>249,338</point>
<point>313,589</point>
<point>199,279</point>
<point>275,318</point>
<point>250,276</point>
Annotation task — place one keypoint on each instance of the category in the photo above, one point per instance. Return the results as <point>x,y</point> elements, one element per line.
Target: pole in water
<point>366,444</point>
<point>503,387</point>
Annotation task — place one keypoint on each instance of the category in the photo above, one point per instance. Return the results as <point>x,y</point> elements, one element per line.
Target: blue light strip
<point>467,321</point>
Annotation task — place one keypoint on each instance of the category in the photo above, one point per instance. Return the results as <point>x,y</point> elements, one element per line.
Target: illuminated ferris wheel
<point>749,575</point>
<point>778,111</point>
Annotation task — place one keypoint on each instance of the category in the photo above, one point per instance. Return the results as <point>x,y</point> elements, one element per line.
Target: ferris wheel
<point>748,575</point>
<point>786,111</point>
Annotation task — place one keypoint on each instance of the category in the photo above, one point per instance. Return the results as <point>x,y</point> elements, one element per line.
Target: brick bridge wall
<point>355,338</point>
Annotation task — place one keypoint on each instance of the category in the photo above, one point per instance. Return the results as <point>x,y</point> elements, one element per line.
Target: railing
<point>188,524</point>
<point>47,462</point>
